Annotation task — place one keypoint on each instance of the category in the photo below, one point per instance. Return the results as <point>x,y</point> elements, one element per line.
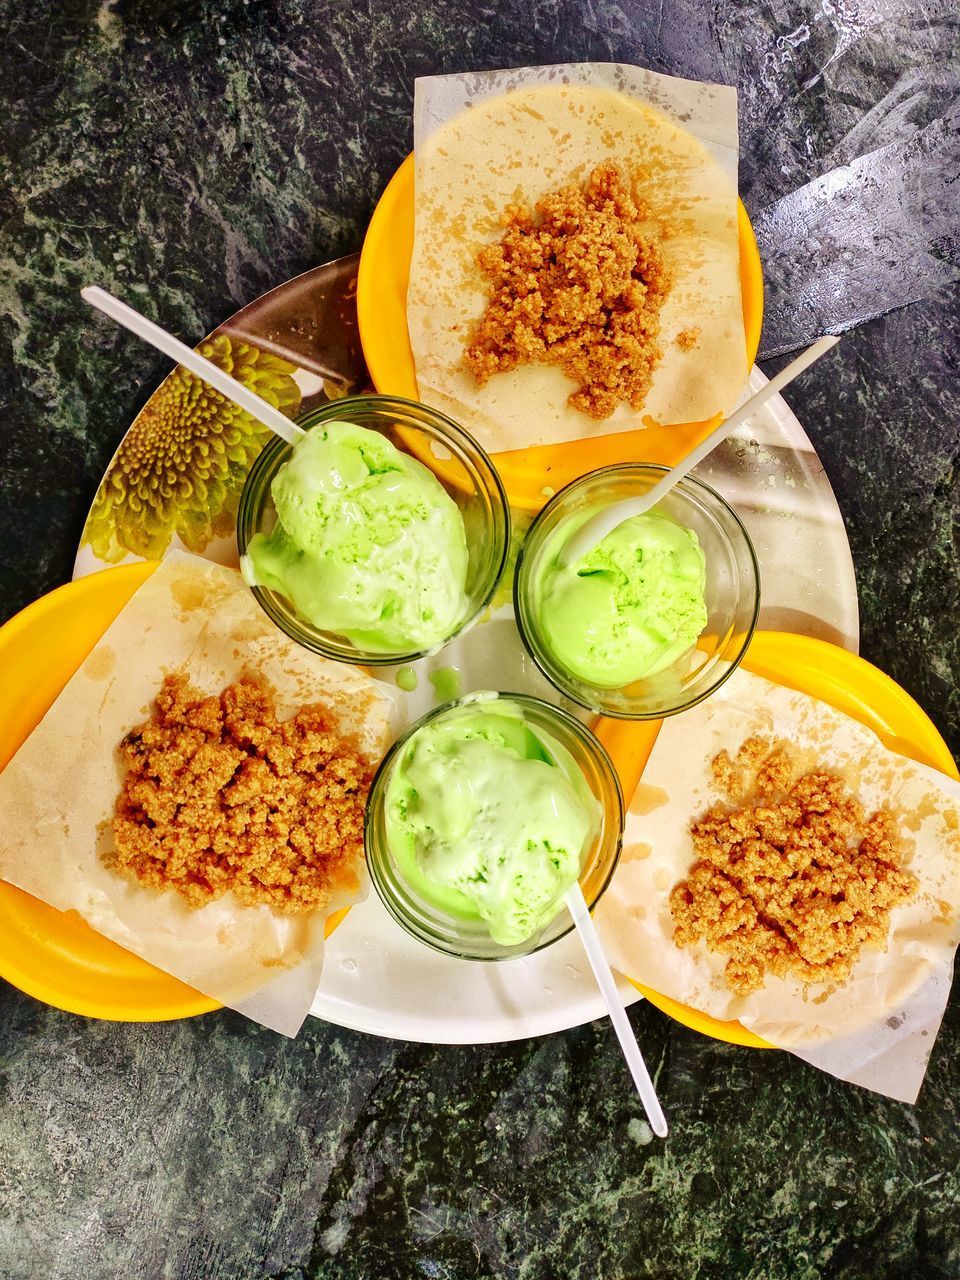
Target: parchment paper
<point>878,1029</point>
<point>57,794</point>
<point>485,139</point>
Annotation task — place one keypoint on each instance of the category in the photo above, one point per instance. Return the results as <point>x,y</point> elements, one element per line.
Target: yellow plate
<point>823,671</point>
<point>382,312</point>
<point>51,954</point>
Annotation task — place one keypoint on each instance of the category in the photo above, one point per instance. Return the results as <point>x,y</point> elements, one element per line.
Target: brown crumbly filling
<point>578,283</point>
<point>795,880</point>
<point>220,796</point>
<point>688,339</point>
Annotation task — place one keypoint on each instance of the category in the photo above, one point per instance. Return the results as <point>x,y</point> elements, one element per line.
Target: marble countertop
<point>189,156</point>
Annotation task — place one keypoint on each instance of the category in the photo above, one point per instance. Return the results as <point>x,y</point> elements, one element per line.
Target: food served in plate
<point>872,902</point>
<point>578,284</point>
<point>245,786</point>
<point>367,542</point>
<point>628,609</point>
<point>220,795</point>
<point>377,539</point>
<point>489,816</point>
<point>656,616</point>
<point>576,264</point>
<point>482,817</point>
<point>793,876</point>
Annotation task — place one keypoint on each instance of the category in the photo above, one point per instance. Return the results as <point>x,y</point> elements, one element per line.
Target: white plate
<point>377,979</point>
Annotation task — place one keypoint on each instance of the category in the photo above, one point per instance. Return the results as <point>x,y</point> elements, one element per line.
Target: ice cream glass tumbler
<point>465,935</point>
<point>732,591</point>
<point>461,466</point>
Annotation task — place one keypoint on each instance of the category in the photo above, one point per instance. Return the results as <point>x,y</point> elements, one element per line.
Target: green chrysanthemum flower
<point>182,465</point>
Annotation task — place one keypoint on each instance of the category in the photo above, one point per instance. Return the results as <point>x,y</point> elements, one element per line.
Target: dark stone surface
<point>190,156</point>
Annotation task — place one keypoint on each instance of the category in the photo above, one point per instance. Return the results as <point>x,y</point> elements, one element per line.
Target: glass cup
<point>461,466</point>
<point>469,939</point>
<point>732,591</point>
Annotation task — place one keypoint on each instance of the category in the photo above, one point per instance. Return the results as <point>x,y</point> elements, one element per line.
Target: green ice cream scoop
<point>368,544</point>
<point>627,609</point>
<point>487,817</point>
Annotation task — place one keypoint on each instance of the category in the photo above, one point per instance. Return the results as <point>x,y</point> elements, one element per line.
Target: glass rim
<point>554,500</point>
<point>552,671</point>
<point>274,453</point>
<point>376,400</point>
<point>584,734</point>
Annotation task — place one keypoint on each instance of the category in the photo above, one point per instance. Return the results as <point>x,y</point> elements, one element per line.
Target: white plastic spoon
<point>597,527</point>
<point>577,906</point>
<point>190,359</point>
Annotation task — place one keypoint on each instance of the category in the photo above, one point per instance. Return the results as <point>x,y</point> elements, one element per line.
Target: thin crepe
<point>877,1030</point>
<point>57,794</point>
<point>486,140</point>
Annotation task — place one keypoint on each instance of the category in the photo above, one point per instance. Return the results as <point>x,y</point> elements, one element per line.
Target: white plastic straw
<point>597,527</point>
<point>203,368</point>
<point>577,906</point>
